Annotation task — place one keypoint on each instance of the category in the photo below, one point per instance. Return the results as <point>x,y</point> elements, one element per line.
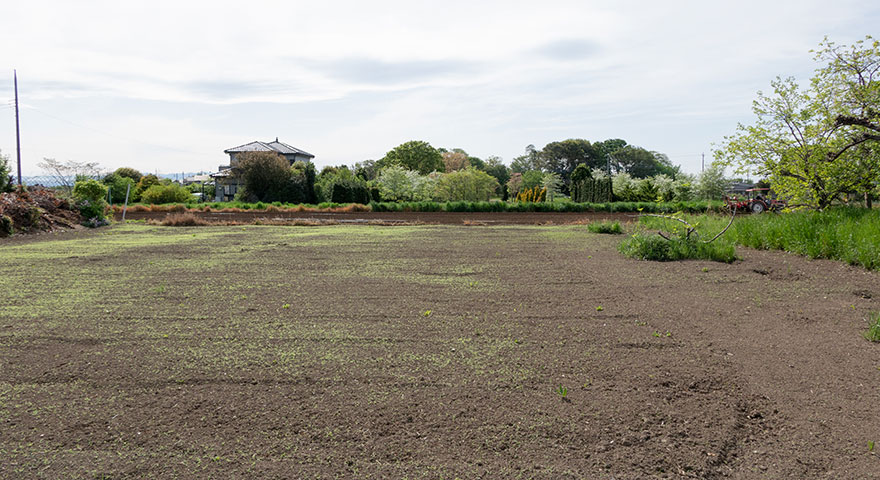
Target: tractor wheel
<point>758,207</point>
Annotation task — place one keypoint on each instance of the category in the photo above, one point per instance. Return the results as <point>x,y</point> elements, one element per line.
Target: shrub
<point>5,226</point>
<point>166,194</point>
<point>89,195</point>
<point>654,247</point>
<point>605,227</point>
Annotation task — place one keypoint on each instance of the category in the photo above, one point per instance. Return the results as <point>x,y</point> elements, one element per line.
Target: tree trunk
<point>868,201</point>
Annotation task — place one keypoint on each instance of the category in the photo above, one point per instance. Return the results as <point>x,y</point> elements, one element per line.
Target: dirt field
<point>426,352</point>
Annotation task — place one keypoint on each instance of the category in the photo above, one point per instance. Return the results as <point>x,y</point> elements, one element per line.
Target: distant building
<point>227,184</point>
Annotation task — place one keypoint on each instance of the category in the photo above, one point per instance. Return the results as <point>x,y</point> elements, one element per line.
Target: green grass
<point>851,235</point>
<point>873,331</point>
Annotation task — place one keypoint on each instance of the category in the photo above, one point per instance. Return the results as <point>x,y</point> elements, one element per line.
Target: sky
<point>166,86</point>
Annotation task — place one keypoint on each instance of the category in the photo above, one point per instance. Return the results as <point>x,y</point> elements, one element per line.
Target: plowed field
<point>426,352</point>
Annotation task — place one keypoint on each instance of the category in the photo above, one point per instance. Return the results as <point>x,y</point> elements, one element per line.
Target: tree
<point>415,155</point>
<point>143,184</point>
<point>128,172</point>
<point>532,179</point>
<point>6,181</point>
<point>470,185</point>
<point>819,143</point>
<point>65,174</point>
<point>604,149</point>
<point>552,183</point>
<point>495,167</point>
<point>453,161</point>
<point>562,157</point>
<point>711,183</point>
<point>531,160</point>
<point>264,176</point>
<point>118,186</point>
<point>641,163</point>
<point>397,184</point>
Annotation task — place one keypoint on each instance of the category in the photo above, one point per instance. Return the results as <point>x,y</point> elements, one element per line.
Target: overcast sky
<point>166,86</point>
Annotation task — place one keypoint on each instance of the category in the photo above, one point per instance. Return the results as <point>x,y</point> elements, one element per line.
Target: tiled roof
<point>275,146</point>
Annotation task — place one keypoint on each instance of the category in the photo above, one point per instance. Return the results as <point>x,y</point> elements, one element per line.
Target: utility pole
<point>17,134</point>
<point>703,162</point>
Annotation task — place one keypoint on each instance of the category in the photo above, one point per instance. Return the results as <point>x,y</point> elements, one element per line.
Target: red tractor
<point>757,200</point>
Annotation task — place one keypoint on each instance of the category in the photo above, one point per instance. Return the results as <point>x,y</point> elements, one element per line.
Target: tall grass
<point>851,235</point>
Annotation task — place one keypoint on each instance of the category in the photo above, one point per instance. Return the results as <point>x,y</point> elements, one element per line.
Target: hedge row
<point>496,206</point>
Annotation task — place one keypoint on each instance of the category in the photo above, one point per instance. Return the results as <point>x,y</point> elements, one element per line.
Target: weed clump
<point>873,331</point>
<point>612,228</point>
<point>656,248</point>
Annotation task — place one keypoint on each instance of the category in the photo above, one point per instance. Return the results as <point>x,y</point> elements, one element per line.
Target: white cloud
<point>349,80</point>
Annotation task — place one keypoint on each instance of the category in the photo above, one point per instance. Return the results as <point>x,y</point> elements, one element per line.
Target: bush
<point>166,194</point>
<point>6,228</point>
<point>613,228</point>
<point>89,195</point>
<point>654,247</point>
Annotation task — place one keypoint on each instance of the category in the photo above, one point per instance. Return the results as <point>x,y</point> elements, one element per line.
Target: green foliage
<point>641,163</point>
<point>128,172</point>
<point>143,184</point>
<point>89,190</point>
<point>531,160</point>
<point>269,177</point>
<point>613,228</point>
<point>118,185</point>
<point>711,183</point>
<point>6,226</point>
<point>418,156</point>
<point>821,142</point>
<point>564,156</point>
<point>654,247</point>
<point>562,392</point>
<point>340,185</point>
<point>6,181</point>
<point>848,234</point>
<point>89,195</point>
<point>158,194</point>
<point>469,185</point>
<point>873,331</point>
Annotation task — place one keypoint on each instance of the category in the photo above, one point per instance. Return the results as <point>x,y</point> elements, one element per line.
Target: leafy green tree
<point>816,143</point>
<point>531,160</point>
<point>641,163</point>
<point>6,181</point>
<point>397,184</point>
<point>415,155</point>
<point>552,182</point>
<point>604,149</point>
<point>495,167</point>
<point>532,179</point>
<point>89,195</point>
<point>128,172</point>
<point>562,157</point>
<point>143,184</point>
<point>470,185</point>
<point>118,186</point>
<point>265,177</point>
<point>711,183</point>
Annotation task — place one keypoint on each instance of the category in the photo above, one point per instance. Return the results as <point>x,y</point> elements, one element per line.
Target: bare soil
<point>428,352</point>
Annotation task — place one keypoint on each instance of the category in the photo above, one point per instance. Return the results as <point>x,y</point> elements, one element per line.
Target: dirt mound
<point>36,209</point>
